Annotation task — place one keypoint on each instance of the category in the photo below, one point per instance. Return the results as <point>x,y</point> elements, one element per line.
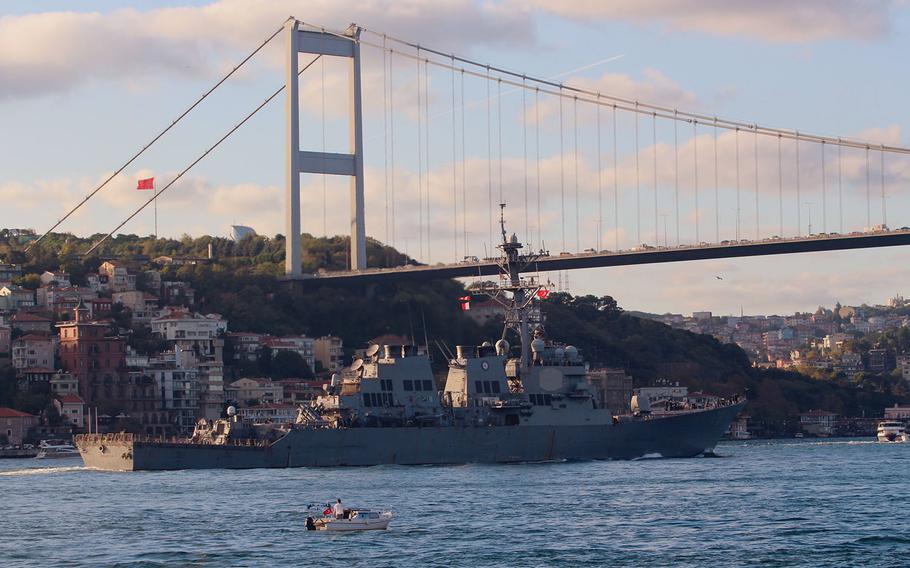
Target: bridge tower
<point>324,44</point>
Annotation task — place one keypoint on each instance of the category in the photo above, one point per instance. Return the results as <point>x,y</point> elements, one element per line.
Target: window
<point>427,385</point>
<point>408,385</point>
<point>385,384</point>
<point>494,387</point>
<point>366,399</point>
<point>478,386</point>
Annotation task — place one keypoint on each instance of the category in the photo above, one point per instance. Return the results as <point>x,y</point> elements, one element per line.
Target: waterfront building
<point>302,345</point>
<point>63,383</point>
<point>877,360</point>
<point>119,278</point>
<point>55,278</point>
<point>98,282</point>
<point>28,322</point>
<point>246,345</point>
<point>63,300</point>
<point>15,426</point>
<point>818,423</point>
<point>897,412</point>
<point>17,296</point>
<point>329,351</point>
<point>903,363</point>
<point>296,390</point>
<point>197,333</point>
<point>6,334</point>
<point>144,306</point>
<point>9,271</point>
<point>33,350</point>
<point>178,386</point>
<point>32,377</point>
<point>260,390</point>
<point>176,293</point>
<point>211,389</point>
<point>72,408</point>
<point>95,355</point>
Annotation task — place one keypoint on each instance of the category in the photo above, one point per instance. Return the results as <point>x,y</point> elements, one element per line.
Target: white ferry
<point>891,431</point>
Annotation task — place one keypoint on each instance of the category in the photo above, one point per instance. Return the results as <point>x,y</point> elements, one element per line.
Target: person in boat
<point>338,510</point>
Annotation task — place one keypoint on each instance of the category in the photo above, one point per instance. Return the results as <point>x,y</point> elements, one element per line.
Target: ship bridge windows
<point>385,384</point>
<point>487,387</point>
<point>418,385</point>
<point>377,399</point>
<point>540,399</point>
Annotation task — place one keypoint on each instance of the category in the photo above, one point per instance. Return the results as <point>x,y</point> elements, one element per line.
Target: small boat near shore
<point>352,520</point>
<point>49,449</point>
<point>891,431</point>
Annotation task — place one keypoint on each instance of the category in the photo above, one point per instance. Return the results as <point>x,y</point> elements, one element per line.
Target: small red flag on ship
<point>543,293</point>
<point>465,303</point>
<point>147,183</point>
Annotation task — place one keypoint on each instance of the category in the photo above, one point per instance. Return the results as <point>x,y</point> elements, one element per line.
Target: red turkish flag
<point>148,183</point>
<point>543,293</point>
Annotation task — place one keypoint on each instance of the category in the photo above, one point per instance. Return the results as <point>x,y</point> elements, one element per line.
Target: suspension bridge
<point>591,179</point>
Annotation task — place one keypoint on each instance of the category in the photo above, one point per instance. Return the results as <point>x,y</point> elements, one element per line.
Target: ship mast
<point>520,312</point>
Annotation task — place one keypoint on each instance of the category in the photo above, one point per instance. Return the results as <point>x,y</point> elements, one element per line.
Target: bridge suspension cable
<point>588,95</point>
<point>615,187</point>
<point>420,104</point>
<point>426,138</point>
<point>197,160</point>
<point>654,176</point>
<point>157,137</point>
<point>695,163</point>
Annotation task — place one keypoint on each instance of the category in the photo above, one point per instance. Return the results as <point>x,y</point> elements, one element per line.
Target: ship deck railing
<point>125,437</point>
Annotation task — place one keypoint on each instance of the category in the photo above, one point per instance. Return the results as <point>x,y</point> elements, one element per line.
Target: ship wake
<point>43,471</point>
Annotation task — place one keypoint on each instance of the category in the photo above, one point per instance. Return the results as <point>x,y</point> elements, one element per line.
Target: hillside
<point>240,284</point>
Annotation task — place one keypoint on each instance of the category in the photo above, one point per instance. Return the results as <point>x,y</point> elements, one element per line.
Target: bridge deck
<point>623,258</point>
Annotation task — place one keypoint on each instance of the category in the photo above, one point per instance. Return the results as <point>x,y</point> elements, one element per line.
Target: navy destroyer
<point>498,405</point>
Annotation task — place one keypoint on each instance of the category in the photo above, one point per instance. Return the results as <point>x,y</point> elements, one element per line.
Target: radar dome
<point>231,411</point>
<point>538,345</point>
<point>560,352</point>
<point>486,344</point>
<point>571,352</point>
<point>502,347</point>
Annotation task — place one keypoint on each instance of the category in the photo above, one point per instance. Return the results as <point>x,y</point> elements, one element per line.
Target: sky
<point>83,86</point>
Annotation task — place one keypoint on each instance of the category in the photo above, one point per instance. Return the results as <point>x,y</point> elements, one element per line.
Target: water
<point>780,503</point>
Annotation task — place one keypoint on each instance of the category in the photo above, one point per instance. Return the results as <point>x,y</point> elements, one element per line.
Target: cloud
<point>764,20</point>
<point>56,51</point>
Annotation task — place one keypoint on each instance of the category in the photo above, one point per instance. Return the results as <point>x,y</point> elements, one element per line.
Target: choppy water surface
<point>763,504</point>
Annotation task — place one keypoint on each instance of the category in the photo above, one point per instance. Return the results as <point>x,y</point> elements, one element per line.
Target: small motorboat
<point>891,431</point>
<point>352,520</point>
<point>56,449</point>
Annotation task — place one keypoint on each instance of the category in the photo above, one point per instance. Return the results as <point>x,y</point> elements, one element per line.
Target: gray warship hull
<point>672,436</point>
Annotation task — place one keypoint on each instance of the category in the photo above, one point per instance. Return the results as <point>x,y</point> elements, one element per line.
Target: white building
<point>200,334</point>
<point>330,353</point>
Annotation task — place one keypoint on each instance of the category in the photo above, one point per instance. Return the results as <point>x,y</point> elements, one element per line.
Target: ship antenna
<point>502,222</point>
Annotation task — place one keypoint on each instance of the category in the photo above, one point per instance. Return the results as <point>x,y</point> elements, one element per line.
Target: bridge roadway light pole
<point>326,163</point>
